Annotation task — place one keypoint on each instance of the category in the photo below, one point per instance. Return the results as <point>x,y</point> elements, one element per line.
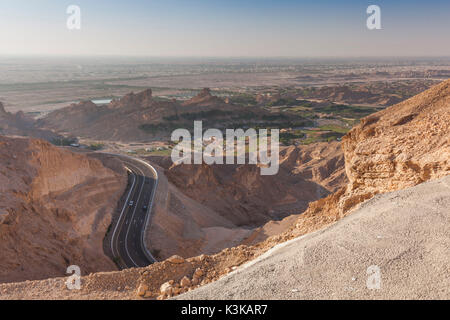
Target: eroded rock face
<point>2,109</point>
<point>142,99</point>
<point>242,195</point>
<point>205,98</point>
<point>55,208</point>
<point>399,147</point>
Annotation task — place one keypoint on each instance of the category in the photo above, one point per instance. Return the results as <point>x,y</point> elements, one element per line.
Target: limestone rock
<point>142,290</point>
<point>166,289</point>
<point>176,260</point>
<point>185,282</point>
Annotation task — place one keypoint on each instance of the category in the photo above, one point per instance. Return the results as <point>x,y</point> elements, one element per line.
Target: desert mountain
<point>140,117</point>
<point>204,99</point>
<point>19,124</point>
<point>204,209</point>
<point>399,147</point>
<point>55,208</point>
<point>404,232</point>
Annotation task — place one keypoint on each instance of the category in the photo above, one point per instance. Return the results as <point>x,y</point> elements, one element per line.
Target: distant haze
<point>231,28</point>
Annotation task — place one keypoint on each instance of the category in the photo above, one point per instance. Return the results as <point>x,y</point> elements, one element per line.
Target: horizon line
<point>44,55</point>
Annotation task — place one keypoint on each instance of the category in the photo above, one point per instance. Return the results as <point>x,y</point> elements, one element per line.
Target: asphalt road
<point>127,241</point>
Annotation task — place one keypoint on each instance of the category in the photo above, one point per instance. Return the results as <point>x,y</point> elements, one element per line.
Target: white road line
<point>149,209</point>
<point>132,217</point>
<point>120,216</point>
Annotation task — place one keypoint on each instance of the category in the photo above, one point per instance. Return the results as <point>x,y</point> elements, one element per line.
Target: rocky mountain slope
<point>405,233</point>
<point>399,147</point>
<point>204,209</point>
<point>55,208</point>
<point>19,124</point>
<point>141,117</point>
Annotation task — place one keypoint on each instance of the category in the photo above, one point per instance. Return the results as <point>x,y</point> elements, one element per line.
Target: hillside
<point>204,209</point>
<point>405,233</point>
<point>18,124</point>
<point>141,117</point>
<point>55,208</point>
<point>399,147</point>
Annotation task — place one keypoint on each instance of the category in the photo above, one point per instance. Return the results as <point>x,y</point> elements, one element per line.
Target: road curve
<point>128,245</point>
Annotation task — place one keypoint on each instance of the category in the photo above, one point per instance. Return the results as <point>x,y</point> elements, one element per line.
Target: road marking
<point>149,206</point>
<point>120,217</point>
<point>146,220</point>
<point>132,217</point>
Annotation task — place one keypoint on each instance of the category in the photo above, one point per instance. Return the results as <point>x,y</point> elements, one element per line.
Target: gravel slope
<point>405,233</point>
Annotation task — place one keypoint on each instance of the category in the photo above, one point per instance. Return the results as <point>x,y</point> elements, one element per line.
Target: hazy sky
<point>225,28</point>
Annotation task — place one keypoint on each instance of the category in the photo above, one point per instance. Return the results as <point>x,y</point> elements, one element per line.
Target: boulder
<point>198,273</point>
<point>166,289</point>
<point>142,290</point>
<point>185,282</point>
<point>176,259</point>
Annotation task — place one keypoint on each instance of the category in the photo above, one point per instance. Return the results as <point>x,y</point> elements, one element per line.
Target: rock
<point>176,259</point>
<point>385,153</point>
<point>206,92</point>
<point>142,290</point>
<point>2,109</point>
<point>148,294</point>
<point>185,282</point>
<point>198,273</point>
<point>3,217</point>
<point>166,289</point>
<point>141,99</point>
<point>195,281</point>
<point>161,297</point>
<point>200,258</point>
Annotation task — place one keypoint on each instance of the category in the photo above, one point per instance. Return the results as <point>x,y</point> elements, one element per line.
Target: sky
<point>227,28</point>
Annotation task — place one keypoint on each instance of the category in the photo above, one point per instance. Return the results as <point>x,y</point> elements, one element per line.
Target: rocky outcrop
<point>19,124</point>
<point>139,117</point>
<point>143,99</point>
<point>205,98</point>
<point>240,194</point>
<point>399,147</point>
<point>204,209</point>
<point>55,208</point>
<point>2,110</point>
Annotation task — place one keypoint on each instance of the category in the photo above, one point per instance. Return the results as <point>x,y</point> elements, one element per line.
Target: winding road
<point>127,241</point>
